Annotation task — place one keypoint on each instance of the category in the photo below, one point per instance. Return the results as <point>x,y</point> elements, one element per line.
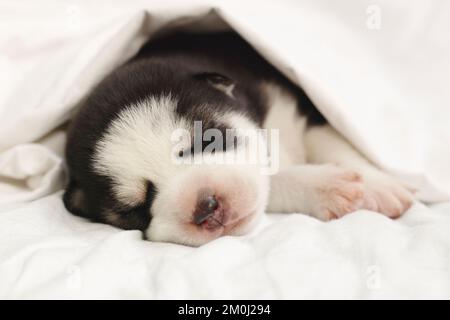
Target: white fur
<point>349,181</point>
<point>227,89</point>
<point>283,116</point>
<point>381,192</point>
<point>137,146</point>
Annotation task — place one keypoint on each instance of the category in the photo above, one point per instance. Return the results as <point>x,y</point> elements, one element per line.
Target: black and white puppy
<point>130,147</point>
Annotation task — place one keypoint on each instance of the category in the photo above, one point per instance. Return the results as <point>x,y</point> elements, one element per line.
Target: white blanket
<point>378,71</point>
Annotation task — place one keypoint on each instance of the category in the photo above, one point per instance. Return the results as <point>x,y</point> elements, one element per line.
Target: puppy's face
<point>151,166</point>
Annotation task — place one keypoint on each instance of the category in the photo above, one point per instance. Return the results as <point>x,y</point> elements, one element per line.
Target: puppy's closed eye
<point>218,81</point>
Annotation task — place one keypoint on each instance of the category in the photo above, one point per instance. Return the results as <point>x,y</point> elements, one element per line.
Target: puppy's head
<point>150,150</point>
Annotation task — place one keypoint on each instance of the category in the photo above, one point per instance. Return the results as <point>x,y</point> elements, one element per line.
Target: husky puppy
<point>130,147</point>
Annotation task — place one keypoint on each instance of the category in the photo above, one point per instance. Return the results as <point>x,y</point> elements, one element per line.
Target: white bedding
<point>382,82</point>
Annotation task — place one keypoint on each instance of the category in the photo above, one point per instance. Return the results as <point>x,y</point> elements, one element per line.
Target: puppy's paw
<point>386,195</point>
<point>338,192</point>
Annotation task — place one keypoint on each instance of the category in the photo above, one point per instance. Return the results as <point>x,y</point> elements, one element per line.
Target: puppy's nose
<point>206,206</point>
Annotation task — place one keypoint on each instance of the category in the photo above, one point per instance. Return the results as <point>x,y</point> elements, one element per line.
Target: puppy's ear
<point>74,199</point>
<point>218,81</point>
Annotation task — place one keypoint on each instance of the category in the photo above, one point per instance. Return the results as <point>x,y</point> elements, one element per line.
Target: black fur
<point>184,65</point>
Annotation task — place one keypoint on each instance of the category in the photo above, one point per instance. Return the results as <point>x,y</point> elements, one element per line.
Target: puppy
<point>139,152</point>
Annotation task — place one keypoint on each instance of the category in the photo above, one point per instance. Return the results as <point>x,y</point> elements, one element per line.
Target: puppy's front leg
<point>382,192</point>
<point>323,191</point>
